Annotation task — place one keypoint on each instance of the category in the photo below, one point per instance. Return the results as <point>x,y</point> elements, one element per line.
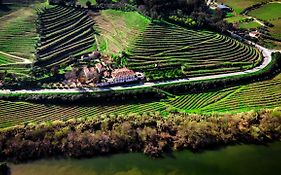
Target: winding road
<point>266,61</point>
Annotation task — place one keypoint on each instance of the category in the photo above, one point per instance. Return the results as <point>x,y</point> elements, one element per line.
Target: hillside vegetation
<point>272,13</point>
<point>167,51</point>
<point>151,134</point>
<point>265,94</point>
<point>64,31</point>
<point>18,32</point>
<point>240,5</point>
<point>117,30</point>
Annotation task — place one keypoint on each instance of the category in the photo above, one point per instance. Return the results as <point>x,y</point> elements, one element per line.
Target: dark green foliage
<point>4,169</point>
<point>150,133</point>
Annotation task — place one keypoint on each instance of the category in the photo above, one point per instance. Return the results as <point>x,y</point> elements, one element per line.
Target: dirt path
<point>24,60</point>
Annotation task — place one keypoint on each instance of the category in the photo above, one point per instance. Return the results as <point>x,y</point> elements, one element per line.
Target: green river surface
<point>232,160</point>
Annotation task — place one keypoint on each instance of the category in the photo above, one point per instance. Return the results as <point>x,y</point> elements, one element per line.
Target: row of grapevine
<point>18,33</point>
<point>12,113</point>
<point>195,53</point>
<point>200,100</point>
<point>258,95</point>
<point>64,31</point>
<point>264,94</point>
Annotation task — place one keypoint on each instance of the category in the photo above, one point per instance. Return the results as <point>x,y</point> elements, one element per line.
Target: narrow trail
<point>24,60</point>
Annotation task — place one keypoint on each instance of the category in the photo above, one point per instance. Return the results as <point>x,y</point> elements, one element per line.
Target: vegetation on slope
<point>271,13</point>
<point>117,30</point>
<point>151,134</point>
<point>265,94</point>
<point>18,32</point>
<point>166,51</point>
<point>64,31</point>
<point>267,12</point>
<point>240,5</point>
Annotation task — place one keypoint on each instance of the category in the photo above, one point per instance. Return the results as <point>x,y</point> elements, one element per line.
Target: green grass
<point>13,113</point>
<point>235,19</point>
<point>249,25</point>
<point>83,2</point>
<point>118,30</point>
<point>4,59</point>
<point>240,5</point>
<point>267,12</point>
<point>276,30</point>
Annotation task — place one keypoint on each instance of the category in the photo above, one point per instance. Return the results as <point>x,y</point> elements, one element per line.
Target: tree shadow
<point>4,8</point>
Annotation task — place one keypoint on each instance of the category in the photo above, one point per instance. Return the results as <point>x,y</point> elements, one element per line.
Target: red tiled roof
<point>123,72</point>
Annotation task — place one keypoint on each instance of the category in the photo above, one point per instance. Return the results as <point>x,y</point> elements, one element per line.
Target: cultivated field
<point>18,37</point>
<point>259,95</point>
<point>174,51</point>
<point>12,113</point>
<point>18,32</point>
<point>64,31</point>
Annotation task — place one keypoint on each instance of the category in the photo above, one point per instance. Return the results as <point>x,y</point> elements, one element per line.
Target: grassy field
<point>83,2</point>
<point>259,95</point>
<point>167,51</point>
<point>268,12</point>
<point>249,25</point>
<point>276,30</point>
<point>12,113</point>
<point>240,5</point>
<point>4,59</point>
<point>272,13</point>
<point>117,30</point>
<point>235,19</point>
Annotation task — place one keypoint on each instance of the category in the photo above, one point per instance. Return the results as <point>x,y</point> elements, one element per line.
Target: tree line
<point>149,133</point>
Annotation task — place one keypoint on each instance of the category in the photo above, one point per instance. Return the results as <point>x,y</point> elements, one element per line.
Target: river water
<point>232,160</point>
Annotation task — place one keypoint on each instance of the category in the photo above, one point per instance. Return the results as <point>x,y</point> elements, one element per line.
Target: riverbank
<point>151,134</point>
<point>232,160</point>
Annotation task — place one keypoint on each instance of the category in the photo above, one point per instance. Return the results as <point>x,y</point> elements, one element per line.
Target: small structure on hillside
<point>99,70</point>
<point>95,56</point>
<point>88,75</point>
<point>224,8</point>
<point>255,34</point>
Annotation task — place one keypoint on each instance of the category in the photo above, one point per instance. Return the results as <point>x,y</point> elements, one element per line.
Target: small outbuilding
<point>224,8</point>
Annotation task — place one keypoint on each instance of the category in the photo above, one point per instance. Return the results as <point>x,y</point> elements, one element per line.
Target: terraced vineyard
<point>200,100</point>
<point>164,48</point>
<point>258,95</point>
<point>13,113</point>
<point>264,94</point>
<point>64,31</point>
<point>18,32</point>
